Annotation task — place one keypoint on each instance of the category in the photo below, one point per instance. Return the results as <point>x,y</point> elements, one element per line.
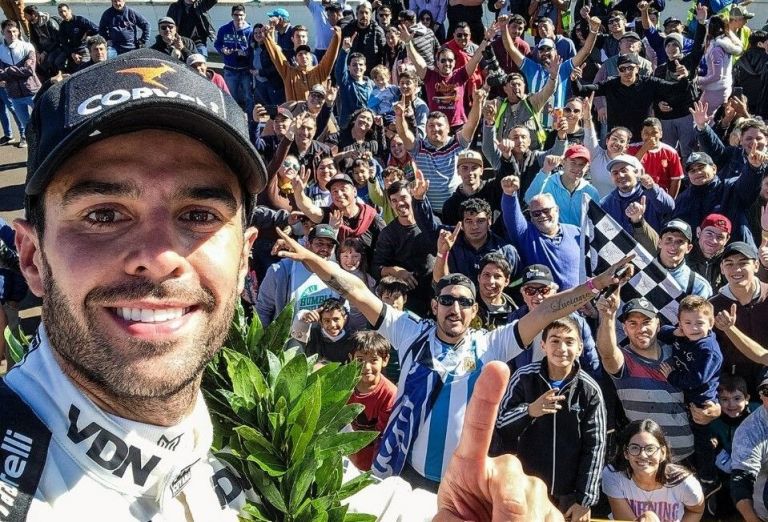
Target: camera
<point>496,74</point>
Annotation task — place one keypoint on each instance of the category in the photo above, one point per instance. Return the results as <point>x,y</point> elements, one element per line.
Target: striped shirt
<point>645,394</point>
<point>439,168</point>
<point>458,367</point>
<point>536,75</point>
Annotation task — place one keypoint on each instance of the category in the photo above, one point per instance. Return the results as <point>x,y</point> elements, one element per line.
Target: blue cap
<point>279,13</point>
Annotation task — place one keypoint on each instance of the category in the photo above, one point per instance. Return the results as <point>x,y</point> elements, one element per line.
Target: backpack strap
<point>23,451</point>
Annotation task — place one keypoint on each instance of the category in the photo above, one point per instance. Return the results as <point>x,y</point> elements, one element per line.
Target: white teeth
<point>145,315</point>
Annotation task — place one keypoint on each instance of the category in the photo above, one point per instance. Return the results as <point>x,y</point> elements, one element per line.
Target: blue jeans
<point>239,84</point>
<point>268,93</point>
<point>23,107</point>
<point>5,106</point>
<point>202,48</point>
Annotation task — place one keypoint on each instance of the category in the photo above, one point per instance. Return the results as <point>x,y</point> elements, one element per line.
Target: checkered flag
<point>604,242</point>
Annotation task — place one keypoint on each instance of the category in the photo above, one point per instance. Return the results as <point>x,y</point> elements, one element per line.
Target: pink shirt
<point>446,94</point>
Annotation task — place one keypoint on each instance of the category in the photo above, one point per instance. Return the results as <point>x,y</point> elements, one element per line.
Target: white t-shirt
<point>668,503</point>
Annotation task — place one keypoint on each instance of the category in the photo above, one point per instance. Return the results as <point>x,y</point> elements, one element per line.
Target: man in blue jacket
<point>710,193</point>
<point>232,42</point>
<point>632,183</point>
<point>120,25</point>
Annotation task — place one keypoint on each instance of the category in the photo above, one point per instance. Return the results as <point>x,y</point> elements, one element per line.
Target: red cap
<point>717,221</point>
<point>578,151</point>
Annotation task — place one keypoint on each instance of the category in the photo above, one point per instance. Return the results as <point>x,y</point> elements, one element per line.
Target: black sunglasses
<point>448,300</point>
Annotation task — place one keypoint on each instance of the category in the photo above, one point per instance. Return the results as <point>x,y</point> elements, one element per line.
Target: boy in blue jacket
<point>695,368</point>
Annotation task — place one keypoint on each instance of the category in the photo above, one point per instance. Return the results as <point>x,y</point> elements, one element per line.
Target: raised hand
<point>335,219</point>
<point>505,146</point>
<point>419,185</point>
<point>594,24</point>
<point>446,239</point>
<point>608,305</point>
<point>700,113</point>
<point>636,210</point>
<point>405,34</point>
<point>331,92</point>
<point>551,162</point>
<point>643,6</point>
<point>646,180</point>
<point>576,73</point>
<point>554,66</point>
<point>725,320</point>
<point>259,113</point>
<point>480,95</point>
<point>478,487</point>
<point>547,403</point>
<point>311,316</point>
<point>701,12</point>
<point>584,12</point>
<point>346,43</point>
<point>510,185</point>
<point>490,33</point>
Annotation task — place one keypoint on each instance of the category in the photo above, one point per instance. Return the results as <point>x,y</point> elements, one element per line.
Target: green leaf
<point>266,487</point>
<point>278,331</point>
<point>261,451</point>
<point>292,379</point>
<point>301,477</point>
<point>274,366</point>
<point>254,512</point>
<point>344,443</point>
<point>356,484</point>
<point>253,338</point>
<point>247,379</point>
<point>304,426</point>
<point>17,347</point>
<point>359,517</point>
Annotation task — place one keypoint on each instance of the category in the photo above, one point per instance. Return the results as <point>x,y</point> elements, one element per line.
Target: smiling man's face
<point>140,264</point>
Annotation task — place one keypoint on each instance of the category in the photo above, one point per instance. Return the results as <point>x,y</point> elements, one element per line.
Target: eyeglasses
<point>532,291</point>
<point>612,21</point>
<point>461,35</point>
<point>317,95</point>
<point>447,60</point>
<point>166,27</point>
<point>448,300</point>
<point>626,68</point>
<point>291,165</point>
<point>541,212</point>
<point>636,449</point>
<point>568,110</point>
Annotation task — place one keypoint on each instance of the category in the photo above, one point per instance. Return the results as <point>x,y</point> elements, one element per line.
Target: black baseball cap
<point>671,20</point>
<point>631,34</point>
<point>143,89</point>
<point>678,225</point>
<point>639,305</point>
<point>740,247</point>
<point>340,178</point>
<point>454,280</point>
<point>303,48</point>
<point>540,274</point>
<point>698,157</point>
<point>625,59</point>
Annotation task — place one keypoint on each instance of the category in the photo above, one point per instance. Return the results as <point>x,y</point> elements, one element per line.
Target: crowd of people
<point>424,213</point>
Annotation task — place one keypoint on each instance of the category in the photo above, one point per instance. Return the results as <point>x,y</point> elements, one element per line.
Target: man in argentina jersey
<point>536,72</point>
<point>440,360</point>
<point>642,388</point>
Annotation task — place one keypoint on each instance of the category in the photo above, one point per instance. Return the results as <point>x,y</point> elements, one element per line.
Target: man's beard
<point>112,368</point>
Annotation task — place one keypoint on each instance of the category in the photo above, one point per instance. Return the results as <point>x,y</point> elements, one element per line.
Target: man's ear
<point>434,307</point>
<point>30,255</point>
<point>251,233</point>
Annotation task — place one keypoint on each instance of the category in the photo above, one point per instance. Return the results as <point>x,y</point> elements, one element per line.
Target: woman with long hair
<point>722,49</point>
<point>643,479</point>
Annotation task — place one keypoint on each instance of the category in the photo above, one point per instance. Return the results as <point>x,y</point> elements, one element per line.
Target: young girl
<point>377,191</point>
<point>642,478</point>
<point>352,258</point>
<point>722,49</point>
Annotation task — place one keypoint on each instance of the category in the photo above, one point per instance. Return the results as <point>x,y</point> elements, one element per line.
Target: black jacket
<point>750,74</point>
<point>189,47</point>
<point>44,34</point>
<point>683,101</point>
<point>195,22</point>
<point>72,33</point>
<point>369,41</point>
<point>565,449</point>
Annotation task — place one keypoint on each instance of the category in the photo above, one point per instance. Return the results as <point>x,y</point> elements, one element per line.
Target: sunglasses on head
<point>448,300</point>
<point>531,291</point>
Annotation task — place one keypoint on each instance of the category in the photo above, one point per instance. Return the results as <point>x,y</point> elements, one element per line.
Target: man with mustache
<point>139,267</point>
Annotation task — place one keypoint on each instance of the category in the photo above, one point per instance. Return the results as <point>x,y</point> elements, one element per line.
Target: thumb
<point>733,309</point>
<point>642,200</point>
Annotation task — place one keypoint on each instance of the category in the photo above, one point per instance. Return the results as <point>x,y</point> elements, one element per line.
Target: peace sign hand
<point>447,239</point>
<point>419,185</point>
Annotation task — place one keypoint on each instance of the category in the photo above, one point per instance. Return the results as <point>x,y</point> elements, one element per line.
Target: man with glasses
<point>545,28</point>
<point>440,360</point>
<point>542,240</point>
<point>538,284</point>
<point>616,26</point>
<point>320,105</point>
<point>384,17</point>
<point>749,460</point>
<point>194,22</point>
<point>445,85</point>
<point>172,43</point>
<point>463,50</point>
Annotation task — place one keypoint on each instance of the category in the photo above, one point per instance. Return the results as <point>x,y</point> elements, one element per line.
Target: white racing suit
<point>63,458</point>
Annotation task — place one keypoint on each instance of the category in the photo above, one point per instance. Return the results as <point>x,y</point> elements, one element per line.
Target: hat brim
<point>469,160</point>
<point>175,116</point>
<point>649,314</point>
<point>538,281</point>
